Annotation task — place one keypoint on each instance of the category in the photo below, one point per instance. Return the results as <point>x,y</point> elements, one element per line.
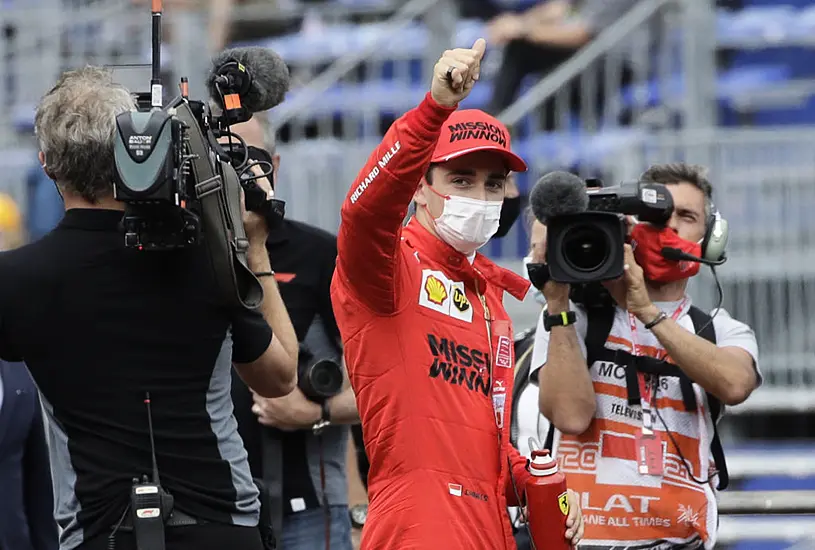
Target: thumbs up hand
<point>456,72</point>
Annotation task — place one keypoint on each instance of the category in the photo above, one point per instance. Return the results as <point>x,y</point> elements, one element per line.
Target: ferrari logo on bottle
<point>563,503</point>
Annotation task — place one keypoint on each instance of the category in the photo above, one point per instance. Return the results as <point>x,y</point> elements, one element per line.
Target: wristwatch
<point>359,514</point>
<point>562,319</point>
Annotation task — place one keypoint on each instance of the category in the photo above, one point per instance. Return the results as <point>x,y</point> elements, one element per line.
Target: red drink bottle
<point>547,503</point>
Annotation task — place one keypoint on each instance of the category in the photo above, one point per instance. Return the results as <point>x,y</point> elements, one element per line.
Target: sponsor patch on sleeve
<point>503,357</point>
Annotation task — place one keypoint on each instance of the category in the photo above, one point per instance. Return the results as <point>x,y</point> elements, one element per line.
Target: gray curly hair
<point>76,126</point>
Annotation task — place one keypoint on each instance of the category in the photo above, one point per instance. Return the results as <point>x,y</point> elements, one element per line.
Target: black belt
<point>177,519</point>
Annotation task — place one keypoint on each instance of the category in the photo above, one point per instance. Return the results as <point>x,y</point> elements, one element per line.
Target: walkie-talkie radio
<point>150,505</point>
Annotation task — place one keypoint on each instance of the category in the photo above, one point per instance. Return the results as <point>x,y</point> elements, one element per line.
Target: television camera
<point>180,186</point>
<point>586,228</point>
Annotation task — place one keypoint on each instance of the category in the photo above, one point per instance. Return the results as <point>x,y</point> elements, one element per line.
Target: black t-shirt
<point>100,325</point>
<point>303,258</point>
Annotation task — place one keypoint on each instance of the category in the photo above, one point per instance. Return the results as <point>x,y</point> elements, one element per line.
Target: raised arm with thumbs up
<point>455,74</point>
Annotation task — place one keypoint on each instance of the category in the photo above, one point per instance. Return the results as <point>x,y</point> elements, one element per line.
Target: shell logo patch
<point>436,290</point>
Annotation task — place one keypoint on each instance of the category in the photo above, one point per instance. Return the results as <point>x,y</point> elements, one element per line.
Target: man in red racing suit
<point>428,343</point>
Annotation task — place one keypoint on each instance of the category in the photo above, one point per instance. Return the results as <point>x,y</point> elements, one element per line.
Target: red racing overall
<point>428,347</point>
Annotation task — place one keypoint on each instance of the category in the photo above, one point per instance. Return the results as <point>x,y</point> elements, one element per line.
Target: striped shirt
<point>621,506</point>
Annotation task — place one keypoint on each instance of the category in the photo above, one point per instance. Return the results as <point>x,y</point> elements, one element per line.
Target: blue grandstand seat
<point>363,3</point>
<point>729,83</point>
<point>761,545</point>
<point>795,3</point>
<point>770,35</point>
<point>381,96</point>
<point>393,98</point>
<point>771,23</point>
<point>795,115</point>
<point>798,60</point>
<point>341,39</point>
<point>771,483</point>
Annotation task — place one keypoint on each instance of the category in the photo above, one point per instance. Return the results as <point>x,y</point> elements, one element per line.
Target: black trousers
<point>210,536</point>
<point>522,58</point>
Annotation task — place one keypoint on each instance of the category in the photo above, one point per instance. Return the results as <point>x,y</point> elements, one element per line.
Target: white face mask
<point>537,294</point>
<point>467,224</point>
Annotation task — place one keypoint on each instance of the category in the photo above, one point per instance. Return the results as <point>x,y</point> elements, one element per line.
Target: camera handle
<point>219,193</point>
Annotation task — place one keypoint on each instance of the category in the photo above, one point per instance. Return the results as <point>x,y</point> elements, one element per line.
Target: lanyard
<point>647,390</point>
<point>499,391</point>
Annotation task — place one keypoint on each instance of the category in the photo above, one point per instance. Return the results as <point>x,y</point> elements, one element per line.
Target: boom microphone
<point>558,194</point>
<point>257,75</point>
<point>677,255</point>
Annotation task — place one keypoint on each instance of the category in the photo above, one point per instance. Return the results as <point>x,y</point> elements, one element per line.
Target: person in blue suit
<point>26,494</point>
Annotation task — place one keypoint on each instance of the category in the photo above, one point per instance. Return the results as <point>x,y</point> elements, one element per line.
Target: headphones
<point>714,242</point>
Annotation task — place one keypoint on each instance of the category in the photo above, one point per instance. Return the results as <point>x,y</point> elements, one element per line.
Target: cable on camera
<point>255,177</point>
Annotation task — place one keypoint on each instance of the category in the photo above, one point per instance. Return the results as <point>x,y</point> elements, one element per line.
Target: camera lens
<point>325,377</point>
<point>322,378</point>
<point>586,248</point>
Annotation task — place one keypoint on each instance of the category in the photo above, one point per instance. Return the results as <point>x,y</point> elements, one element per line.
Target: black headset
<point>714,243</point>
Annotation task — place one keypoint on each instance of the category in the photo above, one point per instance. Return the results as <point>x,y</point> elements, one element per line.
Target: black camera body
<point>156,180</point>
<point>153,179</point>
<point>587,247</point>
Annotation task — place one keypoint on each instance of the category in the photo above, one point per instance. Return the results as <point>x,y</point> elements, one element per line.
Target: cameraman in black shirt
<point>100,325</point>
<point>304,469</point>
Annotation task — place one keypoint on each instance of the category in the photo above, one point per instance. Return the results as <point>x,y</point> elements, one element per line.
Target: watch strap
<point>326,411</point>
<point>358,514</point>
<point>657,320</point>
<point>562,319</point>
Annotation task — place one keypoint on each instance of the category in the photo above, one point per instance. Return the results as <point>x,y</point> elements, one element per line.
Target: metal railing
<point>653,67</point>
<point>45,37</point>
<point>351,81</point>
<point>301,105</point>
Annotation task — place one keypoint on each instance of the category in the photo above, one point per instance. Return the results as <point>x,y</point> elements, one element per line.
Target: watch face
<point>358,514</point>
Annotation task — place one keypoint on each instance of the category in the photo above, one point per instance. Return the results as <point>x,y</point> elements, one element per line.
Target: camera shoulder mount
<point>219,194</point>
